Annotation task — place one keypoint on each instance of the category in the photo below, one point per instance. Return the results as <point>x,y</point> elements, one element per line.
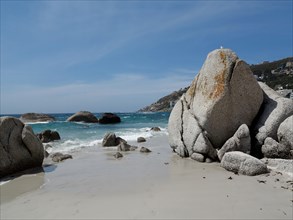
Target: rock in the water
<point>274,111</point>
<point>109,140</point>
<point>118,155</point>
<point>155,129</point>
<point>109,118</point>
<point>145,150</point>
<point>273,149</point>
<point>83,116</point>
<point>239,162</point>
<point>198,157</point>
<point>216,103</point>
<point>48,136</point>
<point>239,142</point>
<point>285,132</point>
<point>58,157</point>
<point>141,139</point>
<point>36,117</point>
<point>20,149</point>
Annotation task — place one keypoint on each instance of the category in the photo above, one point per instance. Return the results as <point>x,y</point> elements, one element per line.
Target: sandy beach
<point>158,185</point>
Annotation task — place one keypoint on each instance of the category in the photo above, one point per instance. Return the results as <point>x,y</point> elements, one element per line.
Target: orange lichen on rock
<point>219,85</point>
<point>219,80</point>
<point>191,90</point>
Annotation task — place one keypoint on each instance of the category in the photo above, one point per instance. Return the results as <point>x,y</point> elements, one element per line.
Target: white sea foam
<point>130,134</point>
<point>4,182</point>
<point>39,122</point>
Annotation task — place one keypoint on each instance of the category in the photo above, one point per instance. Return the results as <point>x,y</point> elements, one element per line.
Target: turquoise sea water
<point>76,136</point>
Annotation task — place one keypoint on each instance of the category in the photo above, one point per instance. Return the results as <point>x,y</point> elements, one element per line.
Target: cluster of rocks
<point>88,117</point>
<point>21,149</point>
<point>110,140</point>
<point>227,116</point>
<point>81,116</point>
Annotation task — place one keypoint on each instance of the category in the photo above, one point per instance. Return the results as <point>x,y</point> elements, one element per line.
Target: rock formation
<point>20,149</point>
<point>36,117</point>
<point>48,136</point>
<point>83,116</point>
<point>109,118</point>
<point>227,115</point>
<point>216,103</point>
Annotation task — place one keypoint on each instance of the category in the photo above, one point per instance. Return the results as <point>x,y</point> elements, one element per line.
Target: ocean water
<point>77,136</point>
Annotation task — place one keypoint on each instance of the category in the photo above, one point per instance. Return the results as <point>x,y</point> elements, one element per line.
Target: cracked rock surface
<point>20,149</point>
<point>223,96</point>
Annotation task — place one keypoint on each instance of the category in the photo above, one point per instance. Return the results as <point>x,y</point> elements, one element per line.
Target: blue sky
<point>119,56</point>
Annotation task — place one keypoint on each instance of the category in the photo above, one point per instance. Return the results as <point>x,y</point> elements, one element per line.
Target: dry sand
<point>158,185</point>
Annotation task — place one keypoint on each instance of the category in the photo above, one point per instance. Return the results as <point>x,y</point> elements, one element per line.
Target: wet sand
<point>158,185</point>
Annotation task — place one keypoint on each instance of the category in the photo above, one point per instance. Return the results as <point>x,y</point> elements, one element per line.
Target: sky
<point>119,56</point>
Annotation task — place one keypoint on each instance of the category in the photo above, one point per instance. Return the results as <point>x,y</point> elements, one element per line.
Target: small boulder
<point>275,109</point>
<point>273,149</point>
<point>285,132</point>
<point>239,162</point>
<point>36,117</point>
<point>83,116</point>
<point>125,147</point>
<point>109,140</point>
<point>120,140</point>
<point>109,118</point>
<point>118,155</point>
<point>240,141</point>
<point>203,146</point>
<point>198,157</point>
<point>155,129</point>
<point>58,157</point>
<point>144,150</point>
<point>141,139</point>
<point>48,136</point>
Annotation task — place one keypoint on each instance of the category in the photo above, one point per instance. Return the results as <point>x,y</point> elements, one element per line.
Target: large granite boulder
<point>48,136</point>
<point>274,111</point>
<point>273,149</point>
<point>83,116</point>
<point>285,132</point>
<point>239,142</point>
<point>217,103</point>
<point>20,149</point>
<point>239,162</point>
<point>36,117</point>
<point>109,118</point>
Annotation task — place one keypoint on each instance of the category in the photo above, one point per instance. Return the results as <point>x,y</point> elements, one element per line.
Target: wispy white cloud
<point>108,26</point>
<point>124,92</point>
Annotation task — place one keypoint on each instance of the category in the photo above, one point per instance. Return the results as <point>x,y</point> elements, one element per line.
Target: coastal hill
<point>276,74</point>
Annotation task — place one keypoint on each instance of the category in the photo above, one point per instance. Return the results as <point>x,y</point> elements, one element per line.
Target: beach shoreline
<point>160,184</point>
